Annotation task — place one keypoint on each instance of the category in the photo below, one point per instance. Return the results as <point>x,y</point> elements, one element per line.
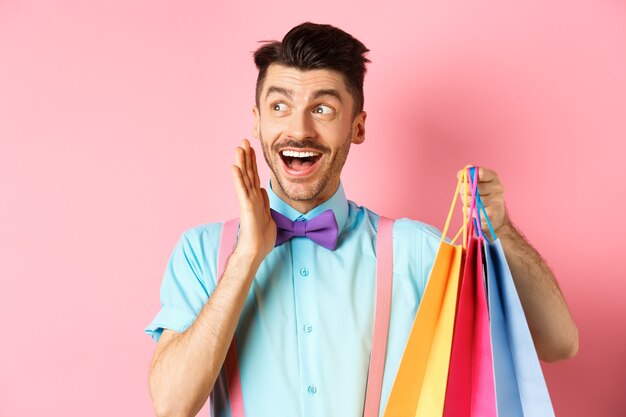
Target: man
<point>303,312</point>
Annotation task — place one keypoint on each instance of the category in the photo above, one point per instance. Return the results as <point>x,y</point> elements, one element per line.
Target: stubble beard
<point>305,191</point>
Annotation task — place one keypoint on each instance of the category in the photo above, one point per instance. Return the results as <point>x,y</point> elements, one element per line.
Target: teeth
<point>299,154</point>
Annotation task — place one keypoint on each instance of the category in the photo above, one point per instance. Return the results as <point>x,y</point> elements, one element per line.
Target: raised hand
<point>257,229</point>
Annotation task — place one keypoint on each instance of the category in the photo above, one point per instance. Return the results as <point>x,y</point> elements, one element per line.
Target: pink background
<point>118,121</point>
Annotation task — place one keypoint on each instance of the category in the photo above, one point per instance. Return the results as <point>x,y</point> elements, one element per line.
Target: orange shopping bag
<point>420,385</point>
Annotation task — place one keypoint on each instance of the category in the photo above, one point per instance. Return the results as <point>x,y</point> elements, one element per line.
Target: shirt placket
<point>307,317</point>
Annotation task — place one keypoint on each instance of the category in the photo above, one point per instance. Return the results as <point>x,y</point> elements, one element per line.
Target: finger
<point>266,200</point>
<point>489,188</point>
<point>241,163</point>
<point>466,189</point>
<point>250,166</point>
<point>493,201</point>
<point>466,197</point>
<point>240,188</point>
<point>257,180</point>
<point>487,200</point>
<point>460,171</point>
<point>484,189</point>
<point>466,192</point>
<point>486,175</point>
<point>248,153</point>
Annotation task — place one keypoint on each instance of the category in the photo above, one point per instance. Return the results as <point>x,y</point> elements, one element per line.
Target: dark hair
<point>310,46</point>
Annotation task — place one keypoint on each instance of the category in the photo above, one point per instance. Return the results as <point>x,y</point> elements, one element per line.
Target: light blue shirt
<point>305,333</point>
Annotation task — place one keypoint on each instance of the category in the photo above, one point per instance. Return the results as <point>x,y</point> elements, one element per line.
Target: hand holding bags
<point>462,359</point>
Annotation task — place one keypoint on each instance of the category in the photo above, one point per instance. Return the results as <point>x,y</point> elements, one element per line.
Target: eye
<point>279,107</point>
<point>323,109</point>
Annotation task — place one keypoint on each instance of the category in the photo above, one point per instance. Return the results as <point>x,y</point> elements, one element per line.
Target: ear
<point>358,128</point>
<point>256,128</point>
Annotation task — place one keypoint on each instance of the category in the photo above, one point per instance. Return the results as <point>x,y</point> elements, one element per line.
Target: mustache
<point>303,144</point>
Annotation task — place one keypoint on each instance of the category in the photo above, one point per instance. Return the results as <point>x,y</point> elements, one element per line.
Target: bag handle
<point>481,206</point>
<point>473,187</point>
<point>467,227</point>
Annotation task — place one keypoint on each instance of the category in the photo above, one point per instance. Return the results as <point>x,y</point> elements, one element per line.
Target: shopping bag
<point>471,387</point>
<point>521,389</point>
<point>470,390</point>
<point>420,384</point>
<point>459,360</point>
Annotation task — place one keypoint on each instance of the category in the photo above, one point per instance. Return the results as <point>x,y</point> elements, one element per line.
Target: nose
<point>301,126</point>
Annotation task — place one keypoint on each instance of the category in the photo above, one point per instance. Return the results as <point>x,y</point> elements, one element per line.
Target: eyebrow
<point>327,92</point>
<point>317,94</point>
<point>279,90</point>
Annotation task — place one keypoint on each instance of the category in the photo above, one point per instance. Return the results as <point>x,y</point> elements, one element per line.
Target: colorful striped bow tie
<point>321,229</point>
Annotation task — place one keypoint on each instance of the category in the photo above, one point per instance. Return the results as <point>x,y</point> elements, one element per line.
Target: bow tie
<point>321,229</point>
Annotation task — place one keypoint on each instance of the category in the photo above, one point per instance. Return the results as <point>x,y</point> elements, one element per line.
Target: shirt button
<point>308,328</point>
<point>304,272</point>
<point>312,389</point>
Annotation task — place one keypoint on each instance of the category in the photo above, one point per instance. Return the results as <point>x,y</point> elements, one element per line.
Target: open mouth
<point>300,163</point>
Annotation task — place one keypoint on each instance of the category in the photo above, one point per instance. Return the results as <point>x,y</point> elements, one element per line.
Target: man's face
<point>305,123</point>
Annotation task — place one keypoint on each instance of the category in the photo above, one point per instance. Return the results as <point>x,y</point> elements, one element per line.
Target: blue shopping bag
<point>521,389</point>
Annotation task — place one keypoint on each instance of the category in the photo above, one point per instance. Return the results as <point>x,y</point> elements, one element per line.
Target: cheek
<point>271,129</point>
<point>335,132</point>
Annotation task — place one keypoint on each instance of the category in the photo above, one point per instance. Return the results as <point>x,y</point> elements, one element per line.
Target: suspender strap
<point>228,240</point>
<point>384,280</point>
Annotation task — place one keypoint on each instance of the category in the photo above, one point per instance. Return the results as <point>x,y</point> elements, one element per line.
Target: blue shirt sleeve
<point>428,248</point>
<point>188,281</point>
<point>415,248</point>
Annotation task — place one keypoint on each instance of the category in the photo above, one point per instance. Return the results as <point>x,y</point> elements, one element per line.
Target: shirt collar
<point>337,203</point>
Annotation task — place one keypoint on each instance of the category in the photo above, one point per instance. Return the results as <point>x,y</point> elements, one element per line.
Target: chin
<point>301,191</point>
<point>305,190</point>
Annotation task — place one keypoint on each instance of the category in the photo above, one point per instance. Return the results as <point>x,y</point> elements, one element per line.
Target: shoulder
<point>403,227</point>
<point>201,235</point>
<point>417,239</point>
<point>410,234</point>
<point>198,247</point>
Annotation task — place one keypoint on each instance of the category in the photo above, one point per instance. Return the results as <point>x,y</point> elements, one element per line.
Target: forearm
<point>184,372</point>
<point>554,332</point>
